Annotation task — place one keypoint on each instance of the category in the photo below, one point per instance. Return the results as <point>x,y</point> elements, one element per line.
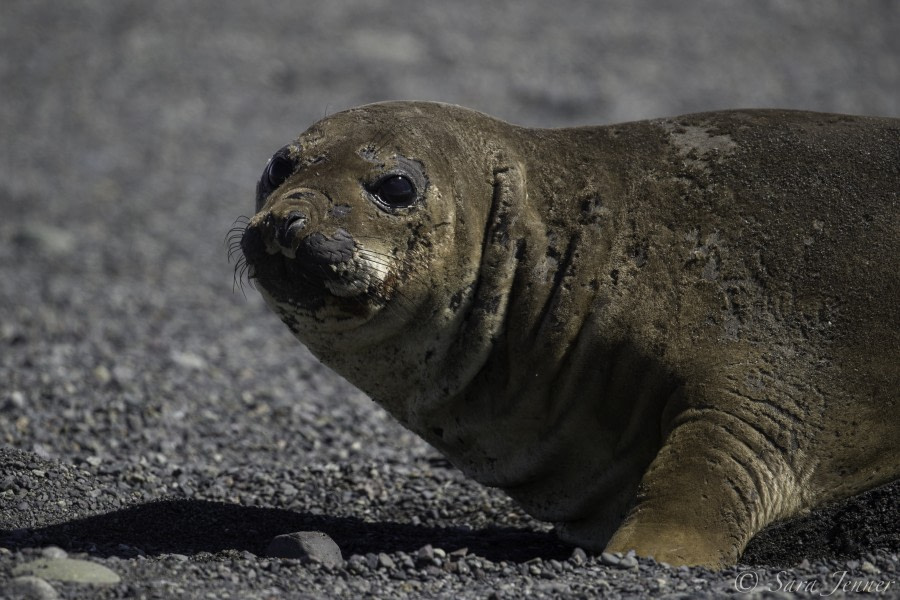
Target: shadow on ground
<point>185,526</point>
<point>847,529</point>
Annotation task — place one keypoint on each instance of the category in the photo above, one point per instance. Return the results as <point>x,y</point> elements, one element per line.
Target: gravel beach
<point>159,427</point>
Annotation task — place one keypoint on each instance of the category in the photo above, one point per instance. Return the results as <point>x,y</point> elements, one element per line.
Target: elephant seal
<point>661,335</point>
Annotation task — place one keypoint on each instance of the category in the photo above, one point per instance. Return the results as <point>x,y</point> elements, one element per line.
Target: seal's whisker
<point>403,301</point>
<point>406,266</point>
<point>408,261</point>
<point>381,142</point>
<point>234,247</point>
<point>415,252</point>
<point>241,271</point>
<point>239,224</point>
<point>234,235</point>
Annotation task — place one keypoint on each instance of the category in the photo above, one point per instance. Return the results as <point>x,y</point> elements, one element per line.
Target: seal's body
<point>691,324</point>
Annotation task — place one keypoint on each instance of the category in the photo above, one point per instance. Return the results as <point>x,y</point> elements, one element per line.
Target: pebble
<point>68,569</point>
<point>608,558</point>
<point>868,568</point>
<point>54,552</point>
<point>48,239</point>
<point>313,546</point>
<point>628,562</point>
<point>15,400</point>
<point>29,587</point>
<point>188,360</point>
<point>385,561</point>
<point>425,556</point>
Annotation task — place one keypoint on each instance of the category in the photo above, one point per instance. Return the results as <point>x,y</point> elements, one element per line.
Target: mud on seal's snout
<point>321,250</point>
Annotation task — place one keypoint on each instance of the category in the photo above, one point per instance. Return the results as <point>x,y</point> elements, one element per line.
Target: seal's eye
<point>278,170</point>
<point>396,191</point>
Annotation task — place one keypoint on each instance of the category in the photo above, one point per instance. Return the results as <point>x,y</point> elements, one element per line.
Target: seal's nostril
<point>294,222</point>
<point>295,219</point>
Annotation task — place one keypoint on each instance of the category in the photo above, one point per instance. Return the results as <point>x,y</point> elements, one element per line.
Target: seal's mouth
<point>313,271</point>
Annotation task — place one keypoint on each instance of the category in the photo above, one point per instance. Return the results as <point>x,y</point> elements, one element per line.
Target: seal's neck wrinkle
<point>483,319</point>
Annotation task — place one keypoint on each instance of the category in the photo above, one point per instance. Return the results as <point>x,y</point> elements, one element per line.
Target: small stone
<point>54,552</point>
<point>385,561</point>
<point>357,564</point>
<point>49,240</point>
<point>68,569</point>
<point>188,360</point>
<point>102,374</point>
<point>610,559</point>
<point>579,556</point>
<point>868,567</point>
<point>306,545</point>
<point>288,490</point>
<point>554,589</point>
<point>123,374</point>
<point>425,556</point>
<point>15,400</point>
<point>29,587</point>
<point>629,562</point>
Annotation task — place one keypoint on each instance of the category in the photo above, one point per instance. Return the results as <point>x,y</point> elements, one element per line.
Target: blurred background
<point>133,133</point>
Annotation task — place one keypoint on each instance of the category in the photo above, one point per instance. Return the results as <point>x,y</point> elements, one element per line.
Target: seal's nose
<point>291,229</point>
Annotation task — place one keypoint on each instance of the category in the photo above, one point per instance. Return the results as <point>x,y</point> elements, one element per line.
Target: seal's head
<point>323,242</point>
<point>370,225</point>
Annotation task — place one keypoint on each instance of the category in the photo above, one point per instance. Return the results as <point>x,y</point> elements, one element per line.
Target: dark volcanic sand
<point>155,422</point>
